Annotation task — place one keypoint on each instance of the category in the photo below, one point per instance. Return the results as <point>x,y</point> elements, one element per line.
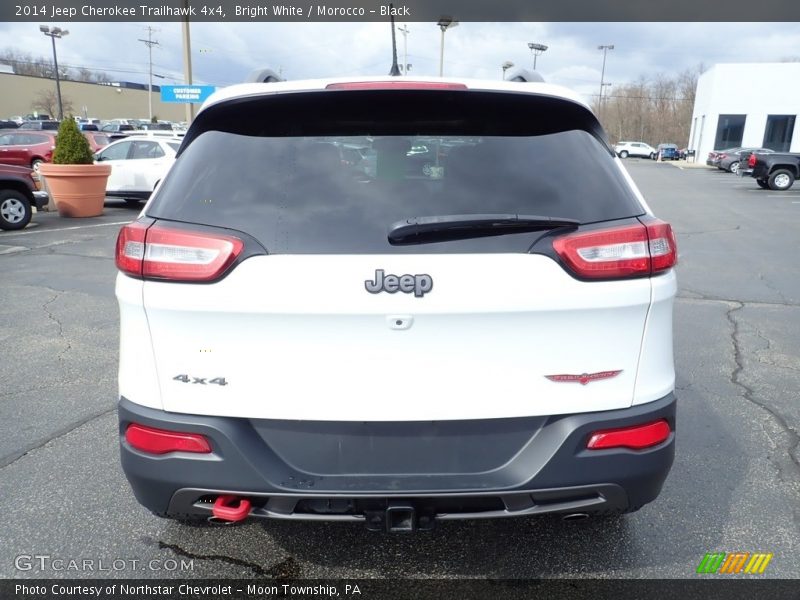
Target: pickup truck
<point>18,193</point>
<point>776,171</point>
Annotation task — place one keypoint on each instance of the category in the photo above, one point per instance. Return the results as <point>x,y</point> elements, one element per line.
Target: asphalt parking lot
<point>735,485</point>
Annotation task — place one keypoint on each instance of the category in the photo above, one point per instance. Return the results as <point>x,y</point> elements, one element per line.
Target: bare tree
<point>25,63</point>
<point>46,101</point>
<point>656,111</point>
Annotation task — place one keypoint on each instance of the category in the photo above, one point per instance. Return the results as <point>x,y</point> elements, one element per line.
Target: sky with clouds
<point>224,53</point>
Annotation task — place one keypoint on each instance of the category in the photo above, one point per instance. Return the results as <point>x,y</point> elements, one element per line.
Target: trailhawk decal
<point>583,378</point>
<point>419,284</point>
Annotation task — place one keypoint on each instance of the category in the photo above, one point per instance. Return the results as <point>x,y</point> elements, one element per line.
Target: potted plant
<point>76,184</point>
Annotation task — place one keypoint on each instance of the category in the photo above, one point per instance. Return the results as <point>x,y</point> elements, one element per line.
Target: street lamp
<point>55,32</point>
<point>536,50</point>
<point>506,66</point>
<point>444,24</point>
<point>605,49</point>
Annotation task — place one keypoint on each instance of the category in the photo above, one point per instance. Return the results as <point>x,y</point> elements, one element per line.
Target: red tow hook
<point>231,508</point>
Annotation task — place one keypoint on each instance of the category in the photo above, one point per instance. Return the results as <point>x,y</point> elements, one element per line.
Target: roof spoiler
<point>263,76</point>
<point>525,76</point>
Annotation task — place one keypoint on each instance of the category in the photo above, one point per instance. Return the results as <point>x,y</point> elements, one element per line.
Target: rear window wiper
<point>442,228</point>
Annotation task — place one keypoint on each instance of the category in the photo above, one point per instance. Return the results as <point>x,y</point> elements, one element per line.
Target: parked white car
<point>626,149</point>
<point>138,163</point>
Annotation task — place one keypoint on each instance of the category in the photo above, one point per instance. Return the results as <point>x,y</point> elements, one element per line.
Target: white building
<point>749,105</point>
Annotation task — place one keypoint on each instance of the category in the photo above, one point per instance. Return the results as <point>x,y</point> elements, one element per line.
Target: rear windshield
<point>341,194</point>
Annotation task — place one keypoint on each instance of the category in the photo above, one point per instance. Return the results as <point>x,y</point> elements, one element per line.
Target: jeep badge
<point>419,284</point>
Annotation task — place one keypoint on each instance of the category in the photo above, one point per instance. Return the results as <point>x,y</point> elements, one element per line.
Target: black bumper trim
<point>550,467</point>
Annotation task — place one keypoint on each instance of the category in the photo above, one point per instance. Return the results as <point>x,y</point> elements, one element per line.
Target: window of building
<point>730,129</point>
<point>778,132</point>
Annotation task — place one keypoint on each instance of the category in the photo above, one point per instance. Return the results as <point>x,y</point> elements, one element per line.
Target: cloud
<point>224,53</point>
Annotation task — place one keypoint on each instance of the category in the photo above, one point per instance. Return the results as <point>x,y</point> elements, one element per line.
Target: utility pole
<point>604,48</point>
<point>187,61</point>
<point>150,43</point>
<point>404,30</point>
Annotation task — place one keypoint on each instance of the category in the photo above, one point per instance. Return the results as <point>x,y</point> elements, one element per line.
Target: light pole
<point>536,50</point>
<point>55,32</point>
<point>605,49</point>
<point>444,24</point>
<point>602,97</point>
<point>506,66</point>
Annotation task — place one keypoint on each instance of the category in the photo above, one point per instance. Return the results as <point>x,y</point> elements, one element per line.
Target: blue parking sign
<point>194,94</point>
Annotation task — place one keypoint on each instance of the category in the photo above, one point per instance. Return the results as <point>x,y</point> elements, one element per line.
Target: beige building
<point>18,94</point>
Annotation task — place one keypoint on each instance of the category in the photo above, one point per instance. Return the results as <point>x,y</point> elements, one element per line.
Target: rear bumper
<point>445,470</point>
<point>134,195</point>
<point>40,200</point>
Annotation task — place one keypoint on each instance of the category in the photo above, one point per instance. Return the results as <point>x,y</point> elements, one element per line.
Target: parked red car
<point>26,147</point>
<point>97,140</point>
<point>30,148</point>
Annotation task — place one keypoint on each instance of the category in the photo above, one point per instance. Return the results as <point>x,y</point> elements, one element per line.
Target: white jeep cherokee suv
<point>302,338</point>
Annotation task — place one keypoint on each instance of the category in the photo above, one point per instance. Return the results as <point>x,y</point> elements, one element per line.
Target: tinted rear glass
<point>341,193</point>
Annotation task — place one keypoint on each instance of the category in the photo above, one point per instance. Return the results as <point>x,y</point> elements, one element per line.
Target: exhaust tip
<point>575,517</point>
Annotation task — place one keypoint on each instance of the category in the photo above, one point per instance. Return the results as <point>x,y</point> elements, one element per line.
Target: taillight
<point>130,248</point>
<point>161,441</point>
<point>399,84</point>
<point>630,251</point>
<point>722,156</point>
<point>751,161</point>
<point>636,438</point>
<point>160,252</point>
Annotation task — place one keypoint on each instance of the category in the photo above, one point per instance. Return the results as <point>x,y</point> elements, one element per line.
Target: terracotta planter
<point>77,190</point>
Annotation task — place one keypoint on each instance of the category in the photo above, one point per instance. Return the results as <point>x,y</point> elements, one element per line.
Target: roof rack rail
<point>263,76</point>
<point>525,76</point>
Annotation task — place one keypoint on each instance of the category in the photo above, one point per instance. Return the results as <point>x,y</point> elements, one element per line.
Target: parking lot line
<point>5,235</point>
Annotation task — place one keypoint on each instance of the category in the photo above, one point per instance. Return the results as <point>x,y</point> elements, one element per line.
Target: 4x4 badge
<point>419,284</point>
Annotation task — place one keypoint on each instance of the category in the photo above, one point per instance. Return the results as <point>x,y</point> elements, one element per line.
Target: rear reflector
<point>641,436</point>
<point>629,251</point>
<point>175,254</point>
<point>161,441</point>
<point>396,85</point>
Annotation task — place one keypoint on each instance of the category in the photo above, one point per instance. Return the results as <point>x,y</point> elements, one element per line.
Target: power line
<point>675,98</point>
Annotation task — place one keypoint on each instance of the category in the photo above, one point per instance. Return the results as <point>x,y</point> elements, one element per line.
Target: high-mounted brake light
<point>174,254</point>
<point>396,85</point>
<point>161,441</point>
<point>630,251</point>
<point>636,438</point>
